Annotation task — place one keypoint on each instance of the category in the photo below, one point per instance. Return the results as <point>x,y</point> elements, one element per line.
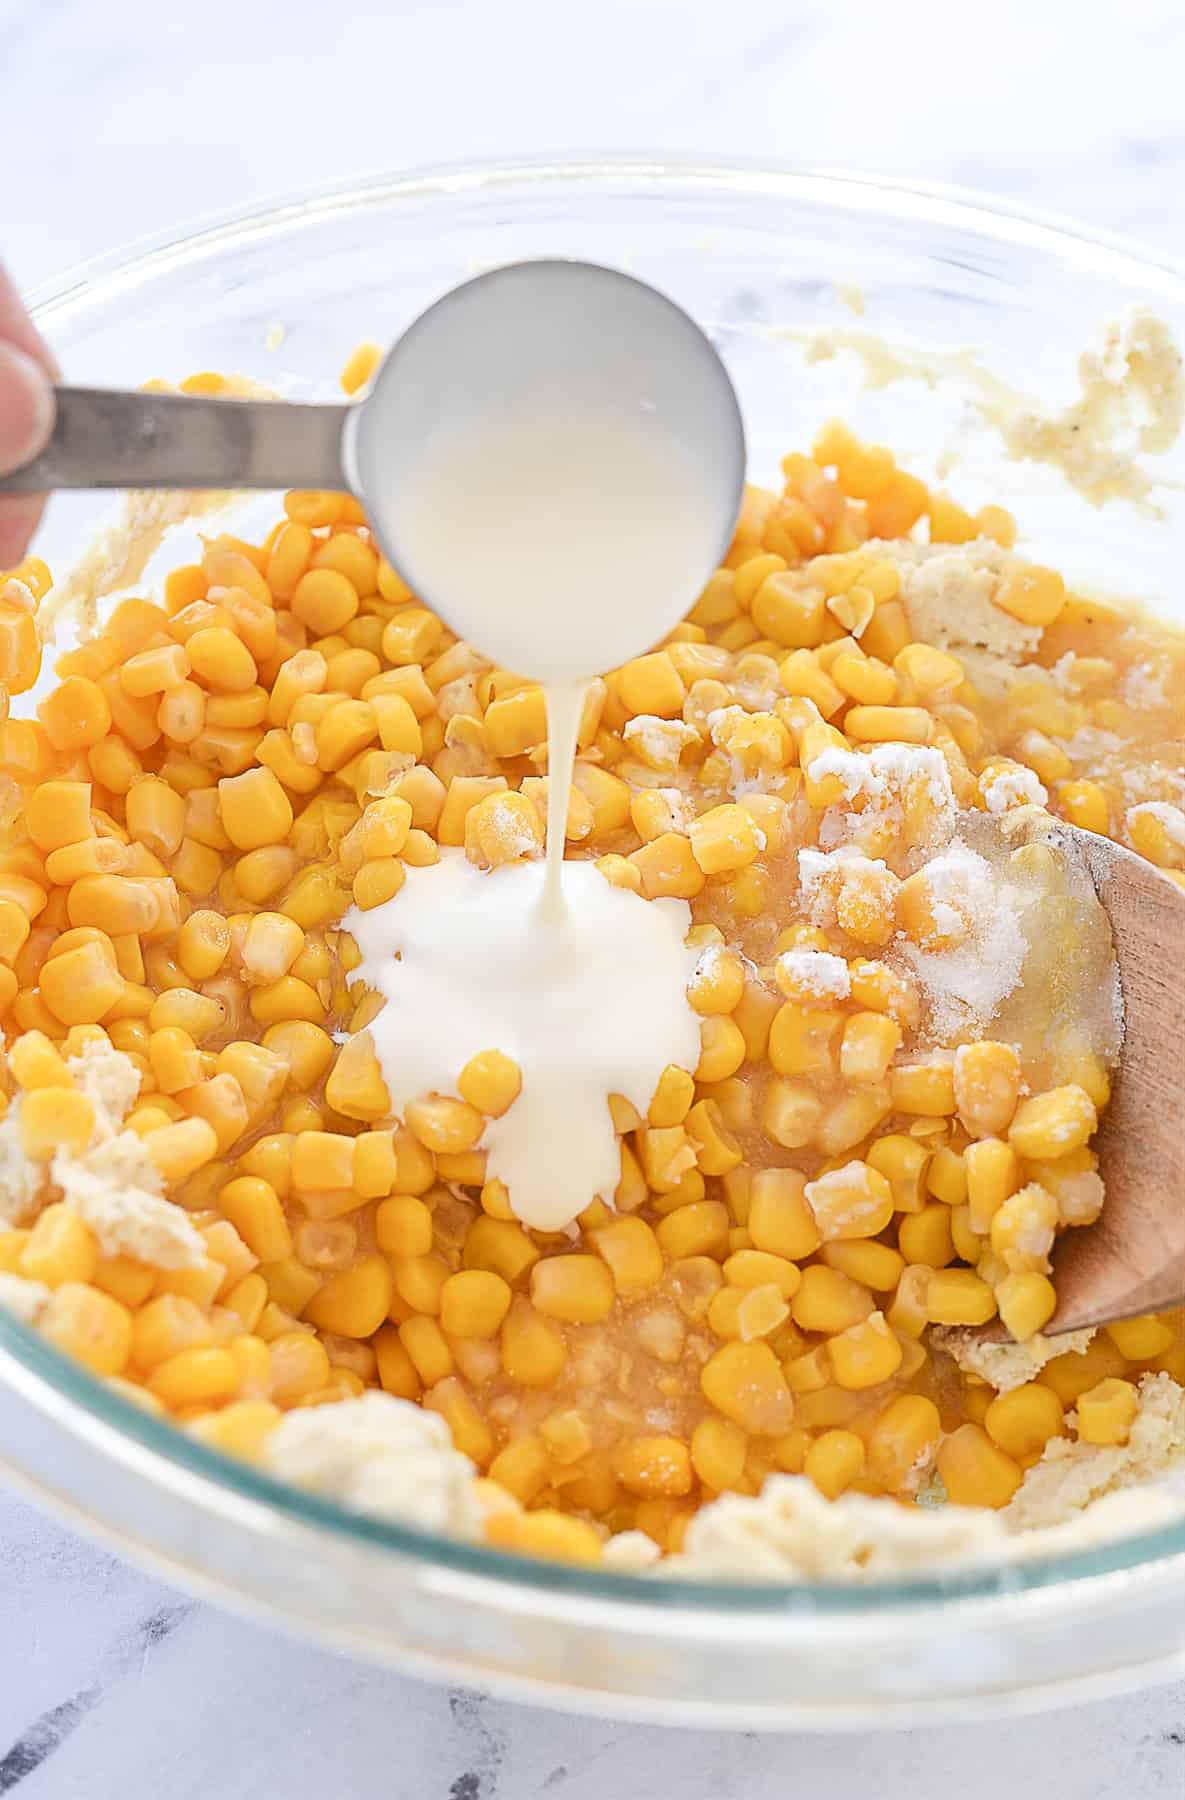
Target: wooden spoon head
<point>1132,1260</point>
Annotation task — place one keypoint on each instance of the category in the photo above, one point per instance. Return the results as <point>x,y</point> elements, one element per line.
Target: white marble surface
<point>120,120</point>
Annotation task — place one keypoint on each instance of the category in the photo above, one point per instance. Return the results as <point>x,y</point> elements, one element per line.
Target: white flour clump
<point>1072,1474</point>
<point>789,1530</point>
<point>949,593</point>
<point>21,1181</point>
<point>113,1183</point>
<point>1006,1366</point>
<point>878,783</point>
<point>381,1455</point>
<point>27,1300</point>
<point>817,972</point>
<point>966,984</point>
<point>1003,789</point>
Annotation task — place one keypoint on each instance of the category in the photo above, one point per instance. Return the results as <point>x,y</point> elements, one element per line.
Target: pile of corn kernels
<point>223,770</point>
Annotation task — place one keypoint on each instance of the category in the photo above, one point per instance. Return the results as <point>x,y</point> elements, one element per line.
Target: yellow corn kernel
<point>254,1209</point>
<point>578,1288</point>
<point>469,1431</point>
<point>718,983</point>
<point>1022,1421</point>
<point>359,368</point>
<point>126,1280</point>
<point>881,989</point>
<point>35,1062</point>
<point>533,1352</point>
<point>199,1377</point>
<point>804,1040</point>
<point>411,636</point>
<point>403,1226</point>
<point>474,1303</point>
<point>632,1251</point>
<point>81,986</point>
<point>699,1229</point>
<point>865,1354</point>
<point>931,671</point>
<point>1107,1412</point>
<point>545,1533</point>
<point>324,600</point>
<point>722,1049</point>
<point>166,1326</point>
<point>1032,594</point>
<point>974,1470</point>
<point>790,610</point>
<point>181,1149</point>
<point>1141,1340</point>
<point>725,838</point>
<point>993,1174</point>
<point>396,1371</point>
<point>60,1248</point>
<point>668,867</point>
<point>202,944</point>
<point>791,1113</point>
<point>653,1466</point>
<point>716,1150</point>
<point>959,1297</point>
<point>874,1265</point>
<point>443,1125</point>
<point>254,809</point>
<point>76,713</point>
<point>854,1201</point>
<point>746,1384</point>
<point>867,1047</point>
<point>987,1078</point>
<point>491,1082</point>
<point>247,1300</point>
<point>780,1218</point>
<point>300,1366</point>
<point>1027,1301</point>
<point>925,1236</point>
<point>1054,1123</point>
<point>834,1461</point>
<point>924,1088</point>
<point>718,1449</point>
<point>1022,1229</point>
<point>522,1468</point>
<point>175,1060</point>
<point>237,1430</point>
<point>902,1441</point>
<point>946,1177</point>
<point>353,1302</point>
<point>829,1301</point>
<point>651,684</point>
<point>58,813</point>
<point>501,1245</point>
<point>89,1325</point>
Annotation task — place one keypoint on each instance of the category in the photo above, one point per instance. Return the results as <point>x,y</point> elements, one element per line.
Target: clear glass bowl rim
<point>98,282</point>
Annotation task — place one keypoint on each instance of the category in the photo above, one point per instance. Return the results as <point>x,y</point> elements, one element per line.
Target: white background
<point>119,120</point>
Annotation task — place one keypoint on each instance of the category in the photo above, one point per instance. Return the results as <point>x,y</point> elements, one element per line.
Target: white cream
<point>566,500</point>
<point>589,1002</point>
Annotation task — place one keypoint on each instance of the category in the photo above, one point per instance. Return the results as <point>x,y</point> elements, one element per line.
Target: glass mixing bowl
<point>283,296</point>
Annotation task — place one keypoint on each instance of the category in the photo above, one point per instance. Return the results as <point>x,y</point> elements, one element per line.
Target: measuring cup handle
<point>103,438</point>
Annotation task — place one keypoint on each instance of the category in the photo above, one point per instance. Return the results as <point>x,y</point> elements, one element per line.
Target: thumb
<point>26,408</point>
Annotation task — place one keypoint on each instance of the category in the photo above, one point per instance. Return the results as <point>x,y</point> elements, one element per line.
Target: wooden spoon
<point>1132,1259</point>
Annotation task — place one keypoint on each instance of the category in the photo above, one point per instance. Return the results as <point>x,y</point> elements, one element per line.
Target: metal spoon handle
<point>103,438</point>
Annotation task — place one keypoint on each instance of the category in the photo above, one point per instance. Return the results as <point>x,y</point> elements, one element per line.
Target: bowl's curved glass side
<point>768,1656</point>
<point>283,297</point>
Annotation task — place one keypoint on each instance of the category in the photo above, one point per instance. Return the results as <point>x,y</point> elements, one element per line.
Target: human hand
<point>27,371</point>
